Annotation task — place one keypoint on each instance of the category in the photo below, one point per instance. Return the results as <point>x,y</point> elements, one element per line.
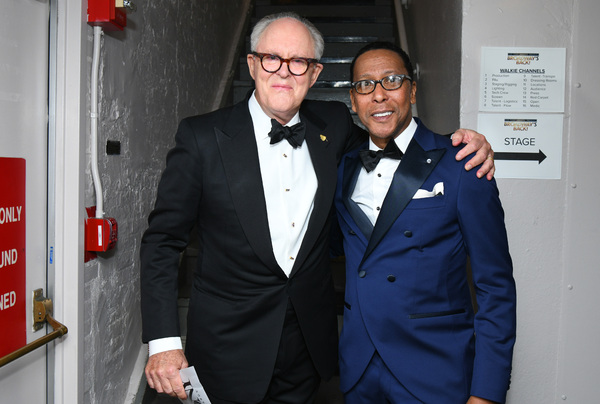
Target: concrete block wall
<point>170,62</point>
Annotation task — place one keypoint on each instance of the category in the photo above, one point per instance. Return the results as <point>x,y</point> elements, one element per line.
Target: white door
<point>24,44</point>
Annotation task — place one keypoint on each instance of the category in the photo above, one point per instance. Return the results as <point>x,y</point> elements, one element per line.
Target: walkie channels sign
<point>13,316</point>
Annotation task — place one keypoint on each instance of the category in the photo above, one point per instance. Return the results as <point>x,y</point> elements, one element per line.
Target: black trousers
<point>295,379</point>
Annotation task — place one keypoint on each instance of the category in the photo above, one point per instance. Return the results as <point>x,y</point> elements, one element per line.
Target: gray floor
<point>328,394</point>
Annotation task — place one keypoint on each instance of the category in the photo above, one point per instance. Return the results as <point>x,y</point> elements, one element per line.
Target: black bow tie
<point>370,158</point>
<point>293,134</point>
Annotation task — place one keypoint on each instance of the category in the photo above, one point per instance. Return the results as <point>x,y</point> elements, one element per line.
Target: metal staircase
<point>346,25</point>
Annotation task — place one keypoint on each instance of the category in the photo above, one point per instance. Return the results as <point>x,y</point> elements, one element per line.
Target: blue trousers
<point>378,385</point>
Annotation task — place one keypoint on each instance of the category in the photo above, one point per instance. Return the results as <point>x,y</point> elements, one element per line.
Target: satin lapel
<point>352,167</point>
<point>415,167</point>
<point>237,146</point>
<point>324,165</point>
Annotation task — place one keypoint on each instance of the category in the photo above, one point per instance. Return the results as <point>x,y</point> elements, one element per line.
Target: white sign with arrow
<point>525,145</point>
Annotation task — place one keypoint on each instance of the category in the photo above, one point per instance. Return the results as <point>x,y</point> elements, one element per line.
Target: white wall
<point>579,355</point>
<point>552,225</point>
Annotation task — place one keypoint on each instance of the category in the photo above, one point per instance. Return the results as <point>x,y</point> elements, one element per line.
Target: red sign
<point>13,315</point>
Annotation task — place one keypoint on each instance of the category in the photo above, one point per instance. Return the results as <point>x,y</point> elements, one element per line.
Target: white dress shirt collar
<point>401,140</point>
<point>261,121</point>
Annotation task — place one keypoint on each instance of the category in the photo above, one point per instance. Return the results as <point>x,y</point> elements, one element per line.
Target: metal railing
<point>42,313</point>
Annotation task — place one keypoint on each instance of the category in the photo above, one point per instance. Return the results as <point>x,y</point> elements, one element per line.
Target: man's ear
<point>413,93</point>
<point>251,61</point>
<point>352,95</point>
<point>316,70</point>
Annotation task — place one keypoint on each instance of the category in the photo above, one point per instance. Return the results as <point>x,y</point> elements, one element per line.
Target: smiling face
<point>384,113</point>
<point>281,93</point>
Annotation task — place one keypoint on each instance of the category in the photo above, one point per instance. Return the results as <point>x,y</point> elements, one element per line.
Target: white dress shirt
<point>372,187</point>
<point>290,184</point>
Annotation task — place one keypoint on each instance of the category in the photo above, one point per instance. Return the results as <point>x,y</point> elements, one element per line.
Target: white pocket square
<point>438,189</point>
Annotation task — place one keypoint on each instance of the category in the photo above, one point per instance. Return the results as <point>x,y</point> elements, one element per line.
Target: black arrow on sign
<point>539,157</point>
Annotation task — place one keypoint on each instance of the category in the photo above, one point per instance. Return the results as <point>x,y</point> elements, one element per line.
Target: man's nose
<point>379,93</point>
<point>284,70</point>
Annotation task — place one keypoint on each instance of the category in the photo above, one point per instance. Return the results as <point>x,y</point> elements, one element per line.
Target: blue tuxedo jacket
<point>407,290</point>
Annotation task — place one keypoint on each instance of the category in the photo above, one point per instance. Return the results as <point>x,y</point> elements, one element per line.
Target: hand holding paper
<point>193,388</point>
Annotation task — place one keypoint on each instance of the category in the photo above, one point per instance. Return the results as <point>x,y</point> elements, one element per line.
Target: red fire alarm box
<point>100,234</point>
<point>107,14</point>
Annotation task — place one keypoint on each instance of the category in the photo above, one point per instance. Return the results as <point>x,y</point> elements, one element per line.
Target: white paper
<point>522,80</point>
<point>193,387</point>
<point>525,145</point>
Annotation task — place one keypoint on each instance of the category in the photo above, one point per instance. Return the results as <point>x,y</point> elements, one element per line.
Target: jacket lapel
<point>416,165</point>
<point>352,168</point>
<point>237,146</point>
<point>325,170</point>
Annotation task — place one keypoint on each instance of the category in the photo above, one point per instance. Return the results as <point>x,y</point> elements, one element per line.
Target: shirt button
<point>378,208</point>
<point>293,224</point>
<point>379,175</point>
<point>284,155</point>
<point>362,274</point>
<point>391,278</point>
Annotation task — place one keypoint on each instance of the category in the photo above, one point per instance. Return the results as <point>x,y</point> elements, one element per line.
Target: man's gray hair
<point>260,27</point>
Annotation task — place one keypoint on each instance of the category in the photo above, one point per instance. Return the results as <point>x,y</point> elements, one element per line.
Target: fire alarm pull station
<point>108,14</point>
<point>100,234</point>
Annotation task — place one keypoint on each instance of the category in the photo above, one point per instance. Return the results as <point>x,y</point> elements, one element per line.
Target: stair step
<point>342,46</point>
<point>347,60</point>
<point>373,29</point>
<point>345,49</point>
<point>330,94</point>
<point>335,72</point>
<point>324,10</point>
<point>332,84</point>
<point>350,39</point>
<point>263,3</point>
<point>350,20</point>
<point>364,29</point>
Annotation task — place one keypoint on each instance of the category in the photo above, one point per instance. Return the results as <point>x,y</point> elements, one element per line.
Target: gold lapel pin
<point>323,138</point>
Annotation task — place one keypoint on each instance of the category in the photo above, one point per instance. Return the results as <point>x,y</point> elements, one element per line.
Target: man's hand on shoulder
<point>162,372</point>
<point>475,142</point>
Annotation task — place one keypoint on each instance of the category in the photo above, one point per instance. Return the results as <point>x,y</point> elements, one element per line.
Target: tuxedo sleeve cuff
<point>164,344</point>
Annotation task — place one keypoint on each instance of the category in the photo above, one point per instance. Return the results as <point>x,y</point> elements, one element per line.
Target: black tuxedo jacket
<point>240,294</point>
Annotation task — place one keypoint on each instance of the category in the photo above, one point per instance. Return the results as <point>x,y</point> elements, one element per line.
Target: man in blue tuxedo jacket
<point>410,215</point>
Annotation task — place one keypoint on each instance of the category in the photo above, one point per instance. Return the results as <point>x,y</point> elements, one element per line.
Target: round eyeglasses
<point>389,83</point>
<point>272,63</point>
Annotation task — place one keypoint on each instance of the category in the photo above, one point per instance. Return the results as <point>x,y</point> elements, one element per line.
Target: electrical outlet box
<point>101,234</point>
<point>108,14</point>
